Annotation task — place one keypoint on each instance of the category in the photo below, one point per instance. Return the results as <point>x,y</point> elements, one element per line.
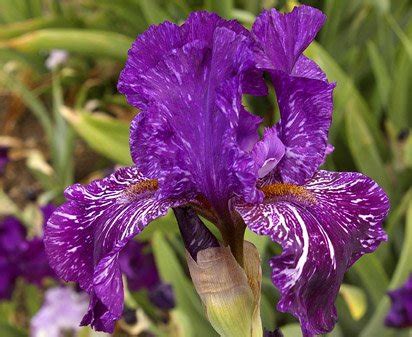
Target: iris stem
<point>234,239</point>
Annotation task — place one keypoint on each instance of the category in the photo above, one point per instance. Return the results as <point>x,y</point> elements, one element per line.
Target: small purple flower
<point>194,144</point>
<point>400,315</point>
<point>60,314</point>
<point>21,257</point>
<point>56,58</point>
<point>139,267</point>
<point>162,296</point>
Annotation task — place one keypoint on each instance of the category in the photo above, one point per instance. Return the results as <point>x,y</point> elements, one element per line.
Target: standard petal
<point>303,92</point>
<point>148,49</point>
<point>158,42</point>
<point>323,227</point>
<point>284,37</point>
<point>306,107</point>
<point>84,236</point>
<point>189,139</point>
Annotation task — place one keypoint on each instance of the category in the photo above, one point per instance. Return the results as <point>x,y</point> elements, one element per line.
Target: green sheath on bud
<point>230,294</point>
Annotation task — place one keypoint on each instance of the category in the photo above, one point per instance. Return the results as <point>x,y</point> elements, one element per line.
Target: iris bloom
<point>60,314</point>
<point>194,144</point>
<point>20,256</point>
<point>141,273</point>
<point>138,267</point>
<point>400,315</point>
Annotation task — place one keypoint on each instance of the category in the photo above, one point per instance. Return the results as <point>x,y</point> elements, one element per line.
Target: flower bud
<point>231,295</point>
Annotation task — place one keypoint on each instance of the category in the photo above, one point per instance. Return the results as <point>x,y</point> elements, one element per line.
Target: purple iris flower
<point>400,315</point>
<point>139,267</point>
<point>21,257</point>
<point>60,314</point>
<point>194,144</point>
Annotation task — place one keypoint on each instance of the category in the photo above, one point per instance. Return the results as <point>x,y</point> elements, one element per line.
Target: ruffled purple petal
<point>323,227</point>
<point>306,113</point>
<point>157,42</point>
<point>85,235</point>
<point>268,152</point>
<point>189,139</point>
<point>400,314</point>
<point>284,37</point>
<point>303,92</point>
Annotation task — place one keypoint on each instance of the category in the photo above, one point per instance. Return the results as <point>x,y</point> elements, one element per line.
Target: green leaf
<point>268,313</point>
<point>87,42</point>
<point>381,73</point>
<point>30,99</point>
<point>11,331</point>
<point>399,98</point>
<point>292,330</point>
<point>18,28</point>
<point>408,152</point>
<point>396,214</point>
<point>166,225</point>
<point>364,149</point>
<point>186,298</point>
<point>355,299</point>
<point>374,286</point>
<point>153,13</point>
<point>375,326</point>
<point>107,136</point>
<point>260,241</point>
<point>407,43</point>
<point>222,7</point>
<point>347,98</point>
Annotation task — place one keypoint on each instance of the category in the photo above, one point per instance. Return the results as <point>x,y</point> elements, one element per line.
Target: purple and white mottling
<point>303,92</point>
<point>60,314</point>
<point>322,231</point>
<point>85,235</point>
<point>400,314</point>
<point>194,144</point>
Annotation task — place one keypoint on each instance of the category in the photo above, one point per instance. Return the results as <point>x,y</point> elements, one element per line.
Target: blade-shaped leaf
<point>88,42</point>
<point>375,326</point>
<point>187,300</point>
<point>355,299</point>
<point>106,135</point>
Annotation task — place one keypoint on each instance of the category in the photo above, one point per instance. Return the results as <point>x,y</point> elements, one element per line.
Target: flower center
<point>288,192</point>
<point>134,191</point>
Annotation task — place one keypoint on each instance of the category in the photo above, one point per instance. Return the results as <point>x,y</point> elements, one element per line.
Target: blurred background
<point>63,121</point>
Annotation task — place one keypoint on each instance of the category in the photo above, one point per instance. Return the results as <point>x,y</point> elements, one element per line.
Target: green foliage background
<point>365,46</point>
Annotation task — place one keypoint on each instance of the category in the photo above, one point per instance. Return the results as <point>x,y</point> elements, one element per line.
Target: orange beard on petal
<point>288,191</point>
